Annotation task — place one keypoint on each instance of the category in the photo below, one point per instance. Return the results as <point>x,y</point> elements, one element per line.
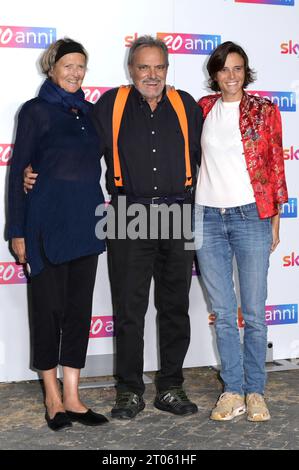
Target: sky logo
<point>291,153</point>
<point>281,314</point>
<point>101,327</point>
<point>289,209</point>
<point>289,48</point>
<point>93,93</point>
<point>12,273</point>
<point>290,260</point>
<point>130,38</point>
<point>287,3</point>
<point>180,43</point>
<point>5,154</point>
<point>285,100</point>
<point>26,36</point>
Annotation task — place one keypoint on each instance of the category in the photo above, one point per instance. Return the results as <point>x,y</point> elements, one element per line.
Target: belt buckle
<point>153,203</point>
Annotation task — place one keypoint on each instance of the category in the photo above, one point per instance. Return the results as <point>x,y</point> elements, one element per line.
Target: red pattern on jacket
<point>260,127</point>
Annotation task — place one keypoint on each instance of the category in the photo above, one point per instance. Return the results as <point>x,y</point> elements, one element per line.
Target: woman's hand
<point>18,246</point>
<point>169,87</point>
<point>29,178</point>
<point>275,231</point>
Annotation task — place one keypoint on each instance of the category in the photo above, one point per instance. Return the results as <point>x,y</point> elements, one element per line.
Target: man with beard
<point>148,164</point>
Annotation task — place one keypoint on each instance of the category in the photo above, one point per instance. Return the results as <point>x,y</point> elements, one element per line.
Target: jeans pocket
<point>251,214</point>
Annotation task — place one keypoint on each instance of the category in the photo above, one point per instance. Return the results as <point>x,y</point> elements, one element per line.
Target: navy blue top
<point>58,214</point>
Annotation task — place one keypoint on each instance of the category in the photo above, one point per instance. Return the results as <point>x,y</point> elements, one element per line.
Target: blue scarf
<point>56,95</point>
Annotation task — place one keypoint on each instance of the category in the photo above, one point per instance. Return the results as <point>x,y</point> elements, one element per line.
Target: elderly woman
<point>52,228</point>
<point>240,188</point>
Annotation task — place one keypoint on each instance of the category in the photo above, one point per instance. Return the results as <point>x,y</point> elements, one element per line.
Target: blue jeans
<point>219,235</point>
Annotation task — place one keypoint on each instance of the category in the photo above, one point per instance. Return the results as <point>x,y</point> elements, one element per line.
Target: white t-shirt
<point>223,179</point>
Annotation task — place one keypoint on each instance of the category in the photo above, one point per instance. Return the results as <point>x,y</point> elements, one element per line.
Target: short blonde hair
<point>47,60</point>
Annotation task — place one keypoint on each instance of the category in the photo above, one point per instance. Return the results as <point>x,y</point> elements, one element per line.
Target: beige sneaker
<point>228,407</point>
<point>257,409</point>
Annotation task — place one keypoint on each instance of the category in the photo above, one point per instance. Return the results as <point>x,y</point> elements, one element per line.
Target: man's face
<point>149,71</point>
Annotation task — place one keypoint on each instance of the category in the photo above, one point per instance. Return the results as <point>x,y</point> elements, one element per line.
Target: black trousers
<point>61,299</point>
<point>132,265</point>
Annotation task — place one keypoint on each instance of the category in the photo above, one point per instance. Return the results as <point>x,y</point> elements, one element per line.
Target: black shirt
<point>151,144</point>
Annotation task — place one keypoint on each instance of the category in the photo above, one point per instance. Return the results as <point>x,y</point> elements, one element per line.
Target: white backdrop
<point>267,29</point>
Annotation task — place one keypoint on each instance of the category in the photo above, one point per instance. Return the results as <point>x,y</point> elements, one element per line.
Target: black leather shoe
<point>127,405</point>
<point>175,401</point>
<point>60,421</point>
<point>90,418</point>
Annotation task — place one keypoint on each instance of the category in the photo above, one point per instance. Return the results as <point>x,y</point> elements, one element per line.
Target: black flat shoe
<point>90,418</point>
<point>60,421</point>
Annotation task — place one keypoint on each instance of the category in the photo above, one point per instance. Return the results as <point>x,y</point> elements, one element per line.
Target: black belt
<point>168,200</point>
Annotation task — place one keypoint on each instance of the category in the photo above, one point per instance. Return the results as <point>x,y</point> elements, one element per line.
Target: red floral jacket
<point>260,127</point>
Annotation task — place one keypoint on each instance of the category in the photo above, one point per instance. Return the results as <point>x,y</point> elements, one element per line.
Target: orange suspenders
<point>179,108</point>
<point>118,109</point>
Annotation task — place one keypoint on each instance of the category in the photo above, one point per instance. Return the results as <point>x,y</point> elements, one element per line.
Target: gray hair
<point>147,41</point>
<point>47,60</point>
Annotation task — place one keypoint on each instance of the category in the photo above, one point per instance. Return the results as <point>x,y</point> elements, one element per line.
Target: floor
<point>22,423</point>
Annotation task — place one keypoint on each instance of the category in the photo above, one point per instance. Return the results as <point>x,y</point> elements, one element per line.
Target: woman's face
<point>69,71</point>
<point>231,78</point>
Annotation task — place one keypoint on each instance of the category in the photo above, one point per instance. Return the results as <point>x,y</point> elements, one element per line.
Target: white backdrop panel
<point>106,28</point>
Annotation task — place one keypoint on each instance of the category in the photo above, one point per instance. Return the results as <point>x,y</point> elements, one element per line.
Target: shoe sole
<point>257,419</point>
<point>61,428</point>
<point>86,419</point>
<point>237,412</point>
<point>170,410</point>
<point>89,424</point>
<point>123,415</point>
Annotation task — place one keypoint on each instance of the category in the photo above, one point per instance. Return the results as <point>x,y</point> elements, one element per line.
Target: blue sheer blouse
<point>58,215</point>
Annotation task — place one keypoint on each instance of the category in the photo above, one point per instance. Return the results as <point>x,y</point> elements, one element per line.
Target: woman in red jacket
<point>239,190</point>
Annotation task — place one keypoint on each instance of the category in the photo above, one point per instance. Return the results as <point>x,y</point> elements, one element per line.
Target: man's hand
<point>18,246</point>
<point>29,178</point>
